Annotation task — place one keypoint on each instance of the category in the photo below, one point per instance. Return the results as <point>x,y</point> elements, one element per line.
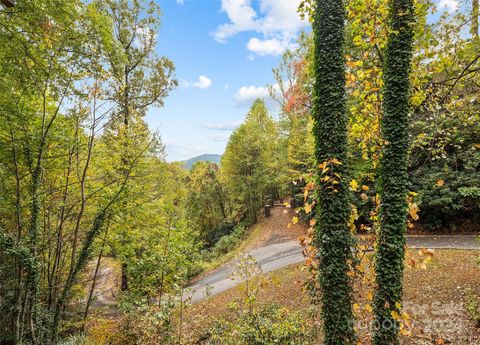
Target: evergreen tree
<point>332,235</point>
<point>393,172</point>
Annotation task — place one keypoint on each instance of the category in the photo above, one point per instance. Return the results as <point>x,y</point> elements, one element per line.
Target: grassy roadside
<point>266,231</point>
<point>437,299</point>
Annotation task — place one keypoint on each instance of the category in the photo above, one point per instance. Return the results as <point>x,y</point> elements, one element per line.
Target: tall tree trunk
<point>18,267</point>
<point>33,276</point>
<point>475,14</point>
<point>85,252</point>
<point>59,240</point>
<point>332,235</point>
<point>124,280</point>
<point>393,172</point>
<point>94,280</point>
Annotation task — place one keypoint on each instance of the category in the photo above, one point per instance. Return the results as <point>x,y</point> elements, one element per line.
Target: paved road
<point>279,255</point>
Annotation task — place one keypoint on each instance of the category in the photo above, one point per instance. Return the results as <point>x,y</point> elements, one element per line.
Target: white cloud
<point>451,5</point>
<point>267,46</point>
<point>247,94</point>
<point>242,18</point>
<point>281,15</point>
<point>223,126</point>
<point>277,20</point>
<point>202,82</point>
<point>180,2</point>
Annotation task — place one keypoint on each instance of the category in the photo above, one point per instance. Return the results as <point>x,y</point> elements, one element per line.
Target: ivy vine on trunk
<point>332,236</point>
<point>393,173</point>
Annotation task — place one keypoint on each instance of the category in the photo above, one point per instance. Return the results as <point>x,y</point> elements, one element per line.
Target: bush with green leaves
<point>257,323</point>
<point>448,183</point>
<point>228,242</point>
<point>268,325</point>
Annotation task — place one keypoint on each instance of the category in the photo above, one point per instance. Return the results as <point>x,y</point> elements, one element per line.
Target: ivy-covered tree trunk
<point>332,235</point>
<point>393,174</point>
<point>475,14</point>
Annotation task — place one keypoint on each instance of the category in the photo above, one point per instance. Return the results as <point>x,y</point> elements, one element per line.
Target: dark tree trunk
<point>124,283</point>
<point>332,234</point>
<point>393,172</point>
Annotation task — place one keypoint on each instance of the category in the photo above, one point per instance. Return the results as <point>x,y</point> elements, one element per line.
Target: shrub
<point>268,325</point>
<point>78,339</point>
<point>448,192</point>
<point>228,242</point>
<point>473,306</point>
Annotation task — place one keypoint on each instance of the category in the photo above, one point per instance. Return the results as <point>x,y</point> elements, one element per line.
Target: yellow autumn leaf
<point>395,315</point>
<point>368,308</point>
<point>295,220</point>
<point>365,188</point>
<point>353,185</point>
<point>336,161</point>
<point>440,183</point>
<point>413,210</point>
<point>308,208</point>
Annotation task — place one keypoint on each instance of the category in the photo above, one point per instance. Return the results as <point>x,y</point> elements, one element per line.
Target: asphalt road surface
<point>275,256</point>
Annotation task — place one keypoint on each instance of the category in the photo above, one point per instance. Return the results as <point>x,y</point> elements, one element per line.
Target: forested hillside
<point>202,158</point>
<point>84,180</point>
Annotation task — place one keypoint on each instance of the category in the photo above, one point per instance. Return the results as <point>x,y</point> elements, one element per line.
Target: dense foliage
<point>250,164</point>
<point>393,173</point>
<point>73,142</point>
<point>333,238</point>
<point>207,202</point>
<point>84,185</point>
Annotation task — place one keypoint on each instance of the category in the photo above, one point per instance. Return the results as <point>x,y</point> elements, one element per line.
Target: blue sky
<point>224,51</point>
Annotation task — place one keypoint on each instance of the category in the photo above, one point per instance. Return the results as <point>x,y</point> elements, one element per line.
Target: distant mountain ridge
<point>202,158</point>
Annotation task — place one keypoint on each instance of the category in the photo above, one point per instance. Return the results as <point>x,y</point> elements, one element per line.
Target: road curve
<point>275,256</point>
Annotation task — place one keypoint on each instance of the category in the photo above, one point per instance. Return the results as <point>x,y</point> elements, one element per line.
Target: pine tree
<point>333,238</point>
<point>393,172</point>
